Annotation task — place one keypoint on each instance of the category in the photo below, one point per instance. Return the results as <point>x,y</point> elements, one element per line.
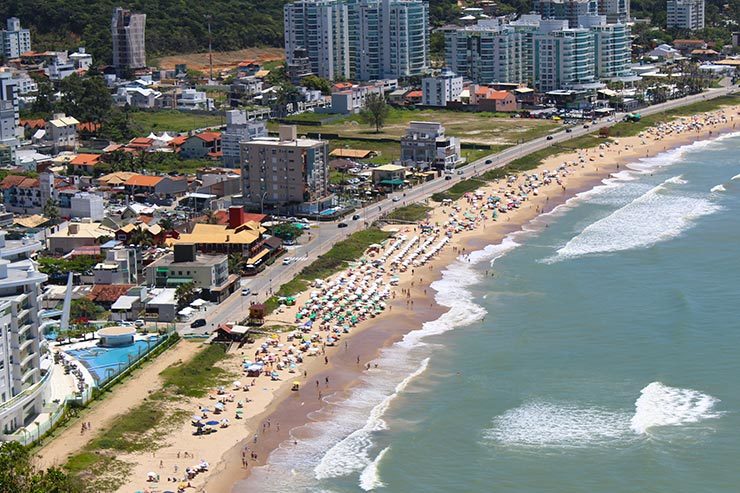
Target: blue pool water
<point>105,363</point>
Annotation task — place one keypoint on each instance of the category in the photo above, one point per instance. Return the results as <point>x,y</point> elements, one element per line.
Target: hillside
<point>173,26</point>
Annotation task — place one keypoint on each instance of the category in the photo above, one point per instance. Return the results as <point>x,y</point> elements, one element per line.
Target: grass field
<point>172,121</point>
<point>409,213</point>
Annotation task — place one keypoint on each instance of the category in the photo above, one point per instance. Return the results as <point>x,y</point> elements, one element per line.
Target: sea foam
<point>370,477</point>
<point>718,188</point>
<point>661,405</point>
<point>541,424</point>
<point>659,214</point>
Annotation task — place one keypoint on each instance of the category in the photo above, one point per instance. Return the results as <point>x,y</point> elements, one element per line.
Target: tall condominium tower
<point>127,30</point>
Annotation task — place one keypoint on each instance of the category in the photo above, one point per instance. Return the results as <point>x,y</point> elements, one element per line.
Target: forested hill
<point>172,26</point>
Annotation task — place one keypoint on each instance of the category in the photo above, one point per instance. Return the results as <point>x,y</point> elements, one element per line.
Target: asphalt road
<point>235,308</point>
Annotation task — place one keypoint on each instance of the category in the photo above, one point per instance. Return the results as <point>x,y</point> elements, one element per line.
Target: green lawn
<point>173,121</point>
<point>409,213</point>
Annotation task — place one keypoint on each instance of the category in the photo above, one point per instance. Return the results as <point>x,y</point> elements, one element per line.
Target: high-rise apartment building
<point>359,39</point>
<point>685,14</point>
<point>10,131</point>
<point>612,47</point>
<point>239,128</point>
<point>320,27</point>
<point>563,57</point>
<point>566,10</point>
<point>615,10</point>
<point>286,172</point>
<point>25,373</point>
<point>486,52</point>
<point>127,29</point>
<point>14,40</point>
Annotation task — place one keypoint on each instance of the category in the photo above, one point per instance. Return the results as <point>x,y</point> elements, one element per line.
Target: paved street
<point>327,234</point>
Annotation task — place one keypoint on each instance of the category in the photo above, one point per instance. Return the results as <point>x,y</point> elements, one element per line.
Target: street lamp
<point>262,203</point>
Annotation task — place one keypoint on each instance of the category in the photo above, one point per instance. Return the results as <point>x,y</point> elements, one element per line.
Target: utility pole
<point>210,53</point>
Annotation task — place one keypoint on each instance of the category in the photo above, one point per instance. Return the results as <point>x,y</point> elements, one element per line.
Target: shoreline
<point>292,410</point>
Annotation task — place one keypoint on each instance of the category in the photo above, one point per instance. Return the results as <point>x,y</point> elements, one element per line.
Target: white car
<point>246,291</point>
<point>287,260</point>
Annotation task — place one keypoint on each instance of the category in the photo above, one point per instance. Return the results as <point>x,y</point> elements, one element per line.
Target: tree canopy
<point>375,111</point>
<point>17,473</point>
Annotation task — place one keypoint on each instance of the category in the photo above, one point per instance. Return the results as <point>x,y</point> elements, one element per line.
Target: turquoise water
<point>602,357</point>
<point>105,363</point>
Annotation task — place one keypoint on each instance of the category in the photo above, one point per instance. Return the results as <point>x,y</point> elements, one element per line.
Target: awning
<point>178,280</point>
<point>257,258</point>
<point>394,183</point>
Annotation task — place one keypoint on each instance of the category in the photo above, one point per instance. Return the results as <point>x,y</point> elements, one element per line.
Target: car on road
<point>201,322</point>
<point>139,323</point>
<point>355,217</point>
<point>448,177</point>
<point>549,137</point>
<point>586,126</point>
<point>396,199</point>
<point>459,172</point>
<point>488,161</point>
<point>342,225</point>
<point>246,291</point>
<point>287,260</point>
<point>568,130</point>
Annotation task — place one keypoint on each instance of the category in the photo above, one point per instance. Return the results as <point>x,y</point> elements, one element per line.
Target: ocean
<point>600,355</point>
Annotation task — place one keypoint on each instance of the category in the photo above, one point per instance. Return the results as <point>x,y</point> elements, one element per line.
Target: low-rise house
<point>85,163</point>
<point>201,146</point>
<point>78,234</point>
<point>248,68</point>
<point>349,100</point>
<point>243,91</point>
<point>81,59</point>
<point>106,295</point>
<point>209,273</point>
<point>156,185</point>
<point>113,180</point>
<point>131,234</point>
<point>162,305</point>
<point>190,100</point>
<point>220,182</point>
<point>119,266</point>
<point>137,97</point>
<point>489,99</point>
<point>239,235</point>
<point>83,205</point>
<point>391,176</point>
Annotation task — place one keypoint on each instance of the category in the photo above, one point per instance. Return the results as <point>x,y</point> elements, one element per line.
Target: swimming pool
<point>105,363</point>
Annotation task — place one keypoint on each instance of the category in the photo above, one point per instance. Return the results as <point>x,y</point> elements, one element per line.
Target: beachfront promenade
<point>235,308</point>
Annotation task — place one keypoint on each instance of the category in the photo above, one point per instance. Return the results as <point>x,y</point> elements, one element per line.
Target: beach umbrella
<point>213,422</point>
<point>205,410</point>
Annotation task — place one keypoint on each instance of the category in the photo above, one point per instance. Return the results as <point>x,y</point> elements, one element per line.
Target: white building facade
<point>25,371</point>
<point>685,14</point>
<point>10,131</point>
<point>441,89</point>
<point>15,40</point>
<point>239,129</point>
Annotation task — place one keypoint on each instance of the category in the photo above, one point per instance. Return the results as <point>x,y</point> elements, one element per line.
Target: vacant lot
<point>172,121</point>
<point>476,128</point>
<point>223,60</point>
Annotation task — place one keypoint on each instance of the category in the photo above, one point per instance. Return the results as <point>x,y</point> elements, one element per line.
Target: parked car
<point>568,130</point>
<point>448,177</point>
<point>396,199</point>
<point>246,291</point>
<point>586,126</point>
<point>201,322</point>
<point>139,323</point>
<point>488,161</point>
<point>342,225</point>
<point>549,137</point>
<point>356,217</point>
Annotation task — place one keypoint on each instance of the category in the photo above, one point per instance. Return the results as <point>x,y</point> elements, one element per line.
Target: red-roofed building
<point>33,124</point>
<point>88,127</point>
<point>248,68</point>
<point>140,144</point>
<point>199,146</point>
<point>413,97</point>
<point>489,99</point>
<point>85,162</point>
<point>107,294</point>
<point>156,185</point>
<point>177,142</point>
<point>21,194</point>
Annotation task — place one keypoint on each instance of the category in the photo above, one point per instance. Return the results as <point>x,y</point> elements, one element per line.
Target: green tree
<point>185,293</point>
<point>83,310</point>
<point>87,99</point>
<point>287,231</point>
<point>317,83</point>
<point>44,103</point>
<point>17,473</point>
<point>375,111</point>
<point>51,211</point>
<point>236,263</point>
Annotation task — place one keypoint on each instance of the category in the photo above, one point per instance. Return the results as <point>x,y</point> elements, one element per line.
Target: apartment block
<point>441,89</point>
<point>10,129</point>
<point>685,14</point>
<point>239,129</point>
<point>127,30</point>
<point>425,145</point>
<point>568,10</point>
<point>14,40</point>
<point>285,172</point>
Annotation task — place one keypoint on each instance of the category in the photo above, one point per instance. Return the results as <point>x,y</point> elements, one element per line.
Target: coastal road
<point>235,308</point>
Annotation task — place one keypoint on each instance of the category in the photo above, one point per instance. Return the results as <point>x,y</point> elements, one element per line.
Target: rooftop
<point>274,141</point>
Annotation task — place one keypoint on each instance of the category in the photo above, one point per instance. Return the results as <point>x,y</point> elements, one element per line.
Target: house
<point>191,100</point>
<point>201,146</point>
<point>137,97</point>
<point>78,234</point>
<point>413,98</point>
<point>106,295</point>
<point>686,45</point>
<point>61,133</point>
<point>489,99</point>
<point>352,100</point>
<point>162,305</point>
<point>248,68</point>
<point>704,55</point>
<point>209,273</point>
<point>129,234</point>
<point>665,52</point>
<point>119,266</point>
<point>85,163</point>
<point>140,144</point>
<point>22,194</point>
<point>117,179</point>
<point>156,185</point>
<point>389,175</point>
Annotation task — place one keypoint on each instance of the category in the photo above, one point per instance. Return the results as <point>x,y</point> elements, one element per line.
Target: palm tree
<point>185,293</point>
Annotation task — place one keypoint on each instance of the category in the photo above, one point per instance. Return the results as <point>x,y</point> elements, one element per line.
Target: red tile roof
<point>17,181</point>
<point>209,136</point>
<point>178,141</point>
<point>143,181</point>
<point>88,127</point>
<point>108,293</point>
<point>414,94</point>
<point>85,160</point>
<point>36,123</point>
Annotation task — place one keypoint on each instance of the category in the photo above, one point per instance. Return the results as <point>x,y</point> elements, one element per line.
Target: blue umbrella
<point>212,423</point>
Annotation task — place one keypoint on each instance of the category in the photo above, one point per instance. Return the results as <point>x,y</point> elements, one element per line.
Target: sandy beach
<point>327,360</point>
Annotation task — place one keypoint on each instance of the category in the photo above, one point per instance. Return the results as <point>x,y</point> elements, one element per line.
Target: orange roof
<point>85,160</point>
<point>36,123</point>
<point>108,293</point>
<point>18,181</point>
<point>414,94</point>
<point>247,63</point>
<point>498,95</point>
<point>143,181</point>
<point>341,86</point>
<point>208,136</point>
<point>141,141</point>
<point>689,41</point>
<point>178,141</point>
